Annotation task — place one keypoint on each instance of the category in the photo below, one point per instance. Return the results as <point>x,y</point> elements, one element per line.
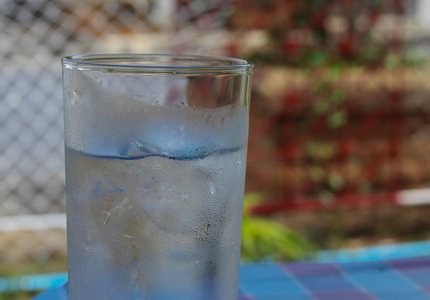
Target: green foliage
<point>18,295</point>
<point>55,264</point>
<point>335,181</point>
<point>337,119</point>
<point>303,37</point>
<point>320,150</point>
<point>414,57</point>
<point>8,269</point>
<point>264,239</point>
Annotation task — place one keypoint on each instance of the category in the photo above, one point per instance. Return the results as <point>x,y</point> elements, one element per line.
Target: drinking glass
<point>155,170</point>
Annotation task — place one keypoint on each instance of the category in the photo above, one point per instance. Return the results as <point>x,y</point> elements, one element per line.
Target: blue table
<point>406,279</point>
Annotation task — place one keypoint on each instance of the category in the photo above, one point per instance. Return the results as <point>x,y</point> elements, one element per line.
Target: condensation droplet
<point>127,203</point>
<point>105,217</point>
<point>73,96</point>
<point>139,97</point>
<point>212,188</point>
<point>104,171</point>
<point>97,74</point>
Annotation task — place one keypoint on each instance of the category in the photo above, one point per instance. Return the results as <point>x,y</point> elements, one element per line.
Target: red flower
<point>291,47</point>
<point>346,46</point>
<point>292,100</point>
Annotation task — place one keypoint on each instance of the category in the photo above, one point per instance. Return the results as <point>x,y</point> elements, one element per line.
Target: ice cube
<point>187,133</point>
<point>106,188</point>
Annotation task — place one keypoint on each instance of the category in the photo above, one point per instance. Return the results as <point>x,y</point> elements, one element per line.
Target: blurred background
<point>339,146</point>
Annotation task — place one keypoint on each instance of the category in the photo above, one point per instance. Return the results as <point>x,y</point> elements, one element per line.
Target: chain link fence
<point>34,35</point>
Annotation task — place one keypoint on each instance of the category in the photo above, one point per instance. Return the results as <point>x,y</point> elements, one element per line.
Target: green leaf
<point>267,239</point>
<point>337,119</point>
<point>335,181</point>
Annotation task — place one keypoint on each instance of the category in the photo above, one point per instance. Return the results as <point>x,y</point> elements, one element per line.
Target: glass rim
<point>158,63</point>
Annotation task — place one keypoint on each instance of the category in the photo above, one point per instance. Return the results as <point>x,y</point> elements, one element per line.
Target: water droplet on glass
<point>104,171</point>
<point>73,96</point>
<point>97,74</point>
<point>138,97</point>
<point>120,209</point>
<point>127,203</point>
<point>105,217</point>
<point>212,188</point>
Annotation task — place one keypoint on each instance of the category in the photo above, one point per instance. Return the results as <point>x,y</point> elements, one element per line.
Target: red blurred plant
<point>309,33</point>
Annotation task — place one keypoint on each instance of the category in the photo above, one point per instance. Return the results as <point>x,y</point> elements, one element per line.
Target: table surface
<point>402,279</point>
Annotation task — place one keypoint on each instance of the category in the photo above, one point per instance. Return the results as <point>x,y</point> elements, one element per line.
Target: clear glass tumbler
<point>155,171</point>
